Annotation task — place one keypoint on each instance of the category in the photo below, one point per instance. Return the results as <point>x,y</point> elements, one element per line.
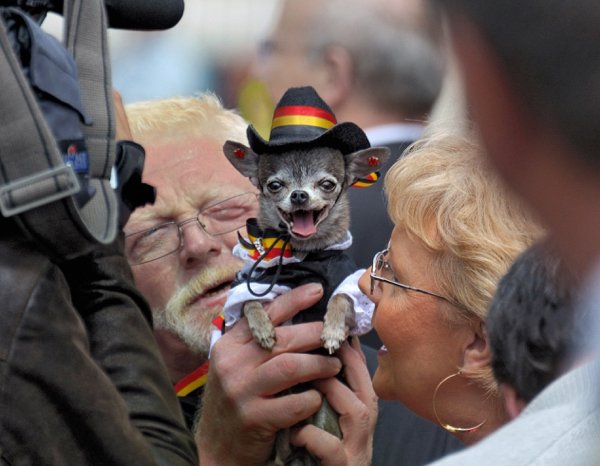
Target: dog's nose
<point>299,197</point>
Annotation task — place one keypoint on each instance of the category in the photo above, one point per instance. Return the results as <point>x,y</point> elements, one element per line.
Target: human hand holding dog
<point>240,413</point>
<point>356,404</point>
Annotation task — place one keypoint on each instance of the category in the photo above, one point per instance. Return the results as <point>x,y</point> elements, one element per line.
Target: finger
<point>289,338</point>
<point>356,371</point>
<point>286,306</point>
<point>284,411</point>
<point>327,448</point>
<point>289,369</point>
<point>355,343</point>
<point>342,397</point>
<point>298,337</point>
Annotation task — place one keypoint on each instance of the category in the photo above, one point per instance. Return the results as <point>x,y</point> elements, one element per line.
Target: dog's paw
<point>339,315</point>
<point>265,337</point>
<point>260,325</point>
<point>332,338</point>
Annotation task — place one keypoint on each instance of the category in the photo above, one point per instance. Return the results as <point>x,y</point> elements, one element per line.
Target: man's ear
<point>364,162</point>
<point>335,77</point>
<point>244,159</point>
<point>477,352</point>
<point>512,403</point>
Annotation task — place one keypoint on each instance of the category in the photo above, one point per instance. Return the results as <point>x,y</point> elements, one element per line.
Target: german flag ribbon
<point>260,241</point>
<point>192,381</point>
<point>196,379</point>
<point>218,321</point>
<point>367,181</point>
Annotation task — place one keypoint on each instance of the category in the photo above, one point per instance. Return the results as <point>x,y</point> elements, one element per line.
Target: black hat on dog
<point>303,119</point>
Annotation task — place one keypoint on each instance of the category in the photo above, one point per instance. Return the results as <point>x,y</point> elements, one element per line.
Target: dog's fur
<point>303,192</point>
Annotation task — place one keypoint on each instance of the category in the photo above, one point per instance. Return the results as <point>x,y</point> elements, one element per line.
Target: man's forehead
<point>168,155</point>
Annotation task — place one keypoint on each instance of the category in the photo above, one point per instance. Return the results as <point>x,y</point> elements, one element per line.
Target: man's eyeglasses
<point>382,272</point>
<point>218,219</point>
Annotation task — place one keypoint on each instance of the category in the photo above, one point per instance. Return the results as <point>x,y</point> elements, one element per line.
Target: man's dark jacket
<point>81,379</point>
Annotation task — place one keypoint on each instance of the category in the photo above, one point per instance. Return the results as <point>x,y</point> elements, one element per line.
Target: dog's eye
<point>327,185</point>
<point>275,186</point>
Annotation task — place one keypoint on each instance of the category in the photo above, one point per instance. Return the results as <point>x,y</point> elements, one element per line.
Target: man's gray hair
<point>396,63</point>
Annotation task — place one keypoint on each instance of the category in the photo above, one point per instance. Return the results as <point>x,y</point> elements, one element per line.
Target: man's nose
<point>198,246</point>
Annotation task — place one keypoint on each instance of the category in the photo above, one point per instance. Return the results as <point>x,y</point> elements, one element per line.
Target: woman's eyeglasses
<point>381,271</point>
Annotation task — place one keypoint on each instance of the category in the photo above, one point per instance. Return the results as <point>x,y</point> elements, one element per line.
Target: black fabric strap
<point>36,186</point>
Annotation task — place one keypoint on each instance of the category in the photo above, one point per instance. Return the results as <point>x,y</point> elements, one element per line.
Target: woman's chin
<point>383,385</point>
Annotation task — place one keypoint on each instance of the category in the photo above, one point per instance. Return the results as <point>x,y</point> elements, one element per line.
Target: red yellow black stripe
<point>303,115</point>
<point>366,181</point>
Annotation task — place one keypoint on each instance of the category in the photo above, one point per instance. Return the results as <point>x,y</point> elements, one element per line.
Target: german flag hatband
<point>302,115</point>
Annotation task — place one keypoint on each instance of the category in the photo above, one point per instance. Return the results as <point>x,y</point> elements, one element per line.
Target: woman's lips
<point>382,351</point>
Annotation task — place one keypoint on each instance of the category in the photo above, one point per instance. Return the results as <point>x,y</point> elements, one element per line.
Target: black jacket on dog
<point>329,268</point>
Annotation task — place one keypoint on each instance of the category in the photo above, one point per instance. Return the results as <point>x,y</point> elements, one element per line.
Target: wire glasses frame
<point>380,264</point>
<point>217,219</point>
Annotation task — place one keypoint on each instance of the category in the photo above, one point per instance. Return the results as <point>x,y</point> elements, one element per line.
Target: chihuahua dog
<point>303,195</point>
<point>303,173</point>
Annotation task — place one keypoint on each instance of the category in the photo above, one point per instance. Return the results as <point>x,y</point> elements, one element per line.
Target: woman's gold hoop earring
<point>450,428</point>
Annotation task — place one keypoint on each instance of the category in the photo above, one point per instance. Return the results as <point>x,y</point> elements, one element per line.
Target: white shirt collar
<point>394,132</point>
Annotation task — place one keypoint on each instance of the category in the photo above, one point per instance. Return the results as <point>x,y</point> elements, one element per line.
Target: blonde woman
<point>456,232</point>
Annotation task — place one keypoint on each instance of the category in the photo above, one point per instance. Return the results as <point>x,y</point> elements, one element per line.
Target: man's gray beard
<point>194,328</point>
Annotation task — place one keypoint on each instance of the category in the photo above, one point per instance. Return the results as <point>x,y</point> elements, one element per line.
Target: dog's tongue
<point>303,223</point>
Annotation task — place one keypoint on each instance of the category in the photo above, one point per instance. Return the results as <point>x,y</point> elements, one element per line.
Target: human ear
<point>336,76</point>
<point>477,353</point>
<point>512,403</point>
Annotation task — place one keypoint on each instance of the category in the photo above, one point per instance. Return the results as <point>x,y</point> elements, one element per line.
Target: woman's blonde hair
<point>443,193</point>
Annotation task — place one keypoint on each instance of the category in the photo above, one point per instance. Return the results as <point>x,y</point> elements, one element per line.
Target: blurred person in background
<point>531,82</point>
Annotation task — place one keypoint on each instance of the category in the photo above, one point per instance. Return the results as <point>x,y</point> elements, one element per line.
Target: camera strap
<point>37,185</point>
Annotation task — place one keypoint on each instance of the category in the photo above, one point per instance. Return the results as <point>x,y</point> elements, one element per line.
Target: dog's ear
<point>364,162</point>
<point>244,159</point>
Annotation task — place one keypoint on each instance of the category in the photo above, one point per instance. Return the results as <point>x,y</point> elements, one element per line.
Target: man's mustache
<point>202,282</point>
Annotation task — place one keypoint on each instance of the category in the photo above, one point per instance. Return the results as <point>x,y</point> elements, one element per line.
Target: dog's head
<point>303,189</point>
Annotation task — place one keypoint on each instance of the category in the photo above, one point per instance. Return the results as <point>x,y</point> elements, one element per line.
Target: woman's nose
<point>364,283</point>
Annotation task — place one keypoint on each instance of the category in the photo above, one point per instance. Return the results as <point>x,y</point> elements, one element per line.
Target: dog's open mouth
<point>303,223</point>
